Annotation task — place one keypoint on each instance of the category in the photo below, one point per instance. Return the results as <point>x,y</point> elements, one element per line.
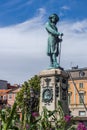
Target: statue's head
<point>54,17</point>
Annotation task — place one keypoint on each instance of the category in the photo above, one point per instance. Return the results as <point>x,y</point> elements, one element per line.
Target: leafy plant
<point>8,118</point>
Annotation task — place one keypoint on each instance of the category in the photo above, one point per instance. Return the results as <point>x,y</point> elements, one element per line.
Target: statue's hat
<point>54,15</point>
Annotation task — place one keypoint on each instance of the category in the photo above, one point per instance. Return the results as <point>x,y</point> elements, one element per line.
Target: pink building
<point>7,96</point>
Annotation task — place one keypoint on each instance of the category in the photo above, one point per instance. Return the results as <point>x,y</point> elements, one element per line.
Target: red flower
<point>81,126</point>
<point>67,118</point>
<point>27,126</point>
<point>35,114</point>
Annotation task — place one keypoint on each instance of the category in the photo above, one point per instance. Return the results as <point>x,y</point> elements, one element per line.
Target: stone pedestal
<point>54,87</point>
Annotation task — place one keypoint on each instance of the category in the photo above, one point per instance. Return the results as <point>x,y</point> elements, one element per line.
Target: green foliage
<point>55,120</point>
<point>8,118</point>
<point>34,82</point>
<point>23,103</point>
<point>20,95</point>
<point>48,120</point>
<point>44,123</point>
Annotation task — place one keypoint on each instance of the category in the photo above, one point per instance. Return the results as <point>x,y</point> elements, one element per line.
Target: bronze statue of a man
<point>53,40</point>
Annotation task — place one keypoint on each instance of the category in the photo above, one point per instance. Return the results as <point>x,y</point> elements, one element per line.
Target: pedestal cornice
<point>52,72</point>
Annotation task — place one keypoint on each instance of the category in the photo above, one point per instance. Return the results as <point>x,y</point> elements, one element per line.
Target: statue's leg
<point>51,61</point>
<point>55,64</point>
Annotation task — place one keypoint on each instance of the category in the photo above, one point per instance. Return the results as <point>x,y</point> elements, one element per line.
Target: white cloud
<point>65,7</point>
<point>23,48</point>
<point>74,43</point>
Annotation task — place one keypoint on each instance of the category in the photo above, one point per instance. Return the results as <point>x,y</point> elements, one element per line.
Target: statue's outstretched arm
<point>50,30</point>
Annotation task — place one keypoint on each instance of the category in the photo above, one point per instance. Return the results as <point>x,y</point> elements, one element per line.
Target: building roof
<point>16,90</point>
<point>4,91</point>
<point>3,80</point>
<point>77,69</point>
<point>9,86</point>
<point>78,73</point>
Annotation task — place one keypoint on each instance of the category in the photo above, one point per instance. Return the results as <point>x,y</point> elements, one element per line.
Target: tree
<point>34,82</point>
<point>24,101</point>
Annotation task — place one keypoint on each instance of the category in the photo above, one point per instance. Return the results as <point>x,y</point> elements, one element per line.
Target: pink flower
<point>81,126</point>
<point>27,126</point>
<point>35,114</point>
<point>67,118</point>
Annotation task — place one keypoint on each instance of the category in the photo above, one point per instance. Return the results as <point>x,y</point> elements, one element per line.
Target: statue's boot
<point>56,65</point>
<point>51,66</point>
<point>51,62</point>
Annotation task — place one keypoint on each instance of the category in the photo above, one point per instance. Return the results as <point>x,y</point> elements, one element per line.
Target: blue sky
<point>17,11</point>
<point>23,38</point>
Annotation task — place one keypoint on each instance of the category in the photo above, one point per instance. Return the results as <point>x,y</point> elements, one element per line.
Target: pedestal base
<point>54,88</point>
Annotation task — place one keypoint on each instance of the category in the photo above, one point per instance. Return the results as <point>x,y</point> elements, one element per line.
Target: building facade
<point>3,97</point>
<point>11,96</point>
<point>7,93</point>
<point>7,97</point>
<point>77,92</point>
<point>3,84</point>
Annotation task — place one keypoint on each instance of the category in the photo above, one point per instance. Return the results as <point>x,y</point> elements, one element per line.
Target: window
<point>82,113</point>
<point>81,74</point>
<point>69,98</point>
<point>81,98</point>
<point>0,97</point>
<point>10,96</point>
<point>14,95</point>
<point>4,97</point>
<point>80,85</point>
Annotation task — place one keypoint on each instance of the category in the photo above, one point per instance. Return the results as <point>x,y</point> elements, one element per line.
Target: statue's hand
<point>60,40</point>
<point>61,34</point>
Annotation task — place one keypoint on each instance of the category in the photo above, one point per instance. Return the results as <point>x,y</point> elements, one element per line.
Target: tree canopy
<point>34,83</point>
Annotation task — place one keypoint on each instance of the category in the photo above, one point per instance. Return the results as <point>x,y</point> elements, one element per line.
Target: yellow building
<point>77,92</point>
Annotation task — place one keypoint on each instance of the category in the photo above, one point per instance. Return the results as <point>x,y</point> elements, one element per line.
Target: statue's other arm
<point>50,30</point>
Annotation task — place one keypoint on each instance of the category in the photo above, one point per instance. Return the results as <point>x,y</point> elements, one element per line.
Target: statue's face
<point>54,20</point>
